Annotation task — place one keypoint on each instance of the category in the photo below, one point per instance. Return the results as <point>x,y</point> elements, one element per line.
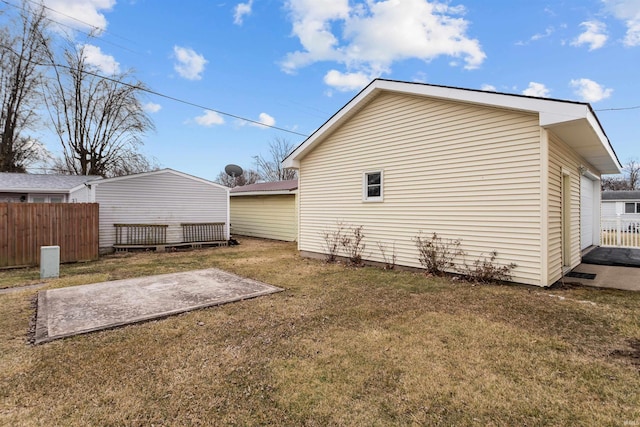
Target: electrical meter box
<point>49,261</point>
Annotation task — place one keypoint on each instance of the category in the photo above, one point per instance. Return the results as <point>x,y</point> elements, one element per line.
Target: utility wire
<point>162,95</point>
<point>90,35</point>
<point>635,107</point>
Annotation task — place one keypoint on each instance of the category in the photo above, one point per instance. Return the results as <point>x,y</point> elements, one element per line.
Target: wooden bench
<point>141,234</point>
<point>154,236</point>
<point>203,232</point>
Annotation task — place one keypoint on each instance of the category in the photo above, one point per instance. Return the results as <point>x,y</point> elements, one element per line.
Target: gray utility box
<point>49,261</point>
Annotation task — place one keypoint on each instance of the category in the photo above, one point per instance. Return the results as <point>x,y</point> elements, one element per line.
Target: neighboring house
<point>266,210</point>
<point>510,173</point>
<point>623,203</point>
<point>44,188</point>
<point>163,197</point>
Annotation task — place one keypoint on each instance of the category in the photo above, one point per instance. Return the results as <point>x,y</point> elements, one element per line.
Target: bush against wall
<point>437,255</point>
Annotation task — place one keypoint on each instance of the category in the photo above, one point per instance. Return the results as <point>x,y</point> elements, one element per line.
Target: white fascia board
<point>293,160</point>
<point>158,172</point>
<point>550,111</point>
<point>595,125</point>
<point>264,193</point>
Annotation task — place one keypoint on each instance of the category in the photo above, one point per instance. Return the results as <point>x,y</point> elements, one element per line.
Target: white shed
<point>166,199</point>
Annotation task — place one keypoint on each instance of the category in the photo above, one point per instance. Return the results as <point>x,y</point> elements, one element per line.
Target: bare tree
<point>629,181</point>
<point>249,176</point>
<point>99,121</point>
<point>270,168</point>
<point>24,47</point>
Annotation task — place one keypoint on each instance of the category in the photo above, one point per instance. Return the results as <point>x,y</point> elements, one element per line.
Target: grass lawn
<point>341,346</point>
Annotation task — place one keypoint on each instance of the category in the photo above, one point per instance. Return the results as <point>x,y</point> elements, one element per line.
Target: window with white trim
<point>372,186</point>
<point>632,207</point>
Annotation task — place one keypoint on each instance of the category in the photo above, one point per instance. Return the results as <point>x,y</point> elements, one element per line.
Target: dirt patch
<point>630,354</point>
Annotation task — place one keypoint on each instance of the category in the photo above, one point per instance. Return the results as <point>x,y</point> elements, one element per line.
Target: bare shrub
<point>437,254</point>
<point>332,241</point>
<point>486,270</point>
<point>389,259</point>
<point>353,245</point>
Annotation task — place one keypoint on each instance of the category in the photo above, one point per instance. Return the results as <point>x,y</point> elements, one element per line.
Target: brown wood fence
<point>25,227</point>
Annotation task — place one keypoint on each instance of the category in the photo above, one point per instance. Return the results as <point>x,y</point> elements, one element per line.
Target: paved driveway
<point>79,309</point>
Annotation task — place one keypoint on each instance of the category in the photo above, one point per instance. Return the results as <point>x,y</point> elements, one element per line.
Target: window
<point>39,199</point>
<point>372,186</point>
<point>632,207</point>
<point>55,199</point>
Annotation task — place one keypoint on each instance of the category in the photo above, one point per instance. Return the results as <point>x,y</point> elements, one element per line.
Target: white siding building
<point>501,172</point>
<point>621,203</point>
<point>163,197</point>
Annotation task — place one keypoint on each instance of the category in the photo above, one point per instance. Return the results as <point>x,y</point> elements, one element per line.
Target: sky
<point>292,64</point>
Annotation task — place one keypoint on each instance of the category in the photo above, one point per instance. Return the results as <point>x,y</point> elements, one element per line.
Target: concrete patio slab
<point>80,309</point>
<point>606,276</point>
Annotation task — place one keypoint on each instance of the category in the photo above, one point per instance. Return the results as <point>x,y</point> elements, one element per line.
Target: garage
<point>267,210</point>
<point>588,215</point>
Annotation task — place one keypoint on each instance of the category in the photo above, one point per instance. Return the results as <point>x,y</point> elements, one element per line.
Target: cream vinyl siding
<point>562,157</point>
<point>163,198</point>
<point>268,217</point>
<point>463,171</point>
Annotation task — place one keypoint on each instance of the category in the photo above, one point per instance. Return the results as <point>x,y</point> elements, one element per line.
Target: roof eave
<point>552,114</point>
<point>264,193</point>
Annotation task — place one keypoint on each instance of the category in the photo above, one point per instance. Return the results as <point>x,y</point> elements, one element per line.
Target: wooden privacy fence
<point>25,227</point>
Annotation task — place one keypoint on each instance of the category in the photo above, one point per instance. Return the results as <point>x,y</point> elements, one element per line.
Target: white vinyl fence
<point>620,232</point>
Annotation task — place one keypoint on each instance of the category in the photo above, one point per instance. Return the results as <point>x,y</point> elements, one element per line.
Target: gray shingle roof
<point>25,181</point>
<point>289,185</point>
<point>621,195</point>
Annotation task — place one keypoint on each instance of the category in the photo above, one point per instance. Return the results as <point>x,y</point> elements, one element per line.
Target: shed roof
<point>574,122</point>
<point>158,173</point>
<point>277,187</point>
<point>45,183</point>
<point>621,195</point>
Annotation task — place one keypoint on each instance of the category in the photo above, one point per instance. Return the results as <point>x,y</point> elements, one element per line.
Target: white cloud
<point>241,10</point>
<point>82,14</point>
<point>488,88</point>
<point>538,36</point>
<point>346,81</point>
<point>594,35</point>
<point>547,33</point>
<point>104,63</point>
<point>590,91</point>
<point>209,118</point>
<point>376,34</point>
<point>265,119</point>
<point>151,107</point>
<point>629,12</point>
<point>536,89</point>
<point>190,64</point>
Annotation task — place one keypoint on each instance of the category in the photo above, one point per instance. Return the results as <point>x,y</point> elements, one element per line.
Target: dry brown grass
<point>341,346</point>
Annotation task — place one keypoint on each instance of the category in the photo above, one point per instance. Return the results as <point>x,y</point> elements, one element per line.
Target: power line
<point>162,95</point>
<point>92,36</point>
<point>635,107</point>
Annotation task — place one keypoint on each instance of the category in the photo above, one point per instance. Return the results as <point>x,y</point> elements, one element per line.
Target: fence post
<point>618,230</point>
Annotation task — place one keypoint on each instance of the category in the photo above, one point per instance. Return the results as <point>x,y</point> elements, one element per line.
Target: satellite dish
<point>233,170</point>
